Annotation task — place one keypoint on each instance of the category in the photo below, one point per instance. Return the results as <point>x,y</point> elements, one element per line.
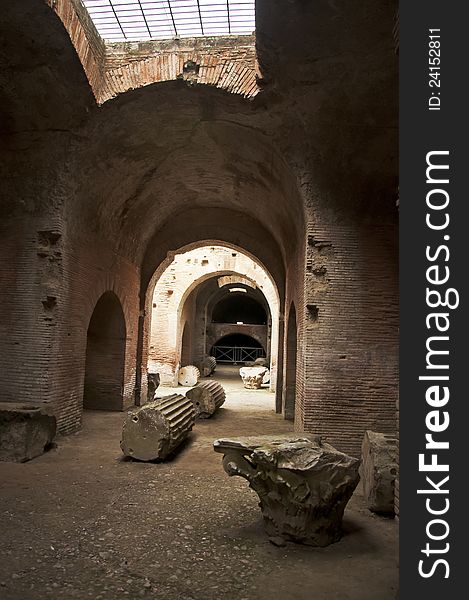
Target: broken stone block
<point>261,362</point>
<point>26,430</point>
<point>153,383</point>
<point>379,471</point>
<point>188,376</point>
<point>303,484</point>
<point>266,377</point>
<point>252,377</point>
<point>156,429</point>
<point>207,398</point>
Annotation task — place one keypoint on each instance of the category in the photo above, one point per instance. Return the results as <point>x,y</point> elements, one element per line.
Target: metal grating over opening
<point>127,20</point>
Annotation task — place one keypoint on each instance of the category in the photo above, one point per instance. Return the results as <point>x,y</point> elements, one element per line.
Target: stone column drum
<point>156,429</point>
<point>207,398</point>
<point>207,366</point>
<point>188,376</point>
<point>303,484</point>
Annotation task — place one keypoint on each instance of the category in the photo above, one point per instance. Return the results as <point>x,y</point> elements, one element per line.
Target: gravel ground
<point>84,522</point>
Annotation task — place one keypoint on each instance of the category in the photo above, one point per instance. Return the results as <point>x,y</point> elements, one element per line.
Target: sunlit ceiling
<point>133,20</point>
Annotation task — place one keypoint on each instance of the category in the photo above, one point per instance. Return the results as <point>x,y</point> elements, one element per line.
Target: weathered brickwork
<point>173,305</point>
<point>294,297</point>
<point>99,199</point>
<point>93,270</point>
<point>351,332</point>
<point>225,63</point>
<point>396,483</point>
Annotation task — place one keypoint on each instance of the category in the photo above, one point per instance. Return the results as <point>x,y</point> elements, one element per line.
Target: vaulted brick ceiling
<point>147,163</point>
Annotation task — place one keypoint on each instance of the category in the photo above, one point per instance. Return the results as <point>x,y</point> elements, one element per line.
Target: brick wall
<point>350,337</point>
<point>294,295</point>
<point>186,344</point>
<point>290,361</point>
<point>27,314</point>
<point>343,278</point>
<point>90,268</point>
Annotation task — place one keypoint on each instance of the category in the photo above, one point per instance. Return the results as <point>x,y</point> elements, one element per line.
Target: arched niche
<point>290,366</point>
<point>105,355</point>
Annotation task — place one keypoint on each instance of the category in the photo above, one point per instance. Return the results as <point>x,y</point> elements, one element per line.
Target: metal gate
<point>236,354</point>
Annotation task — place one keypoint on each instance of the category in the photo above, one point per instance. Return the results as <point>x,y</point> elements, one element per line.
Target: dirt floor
<point>83,522</point>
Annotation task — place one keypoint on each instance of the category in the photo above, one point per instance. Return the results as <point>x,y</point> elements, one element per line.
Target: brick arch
<point>209,242</point>
<point>230,69</point>
<point>237,279</point>
<point>227,63</point>
<point>273,303</point>
<point>107,284</point>
<point>168,300</point>
<point>145,339</point>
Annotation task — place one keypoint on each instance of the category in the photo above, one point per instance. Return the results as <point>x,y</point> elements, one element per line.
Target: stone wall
<point>91,269</point>
<point>351,331</point>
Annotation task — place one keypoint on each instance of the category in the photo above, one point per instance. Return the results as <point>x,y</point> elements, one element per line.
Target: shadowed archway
<point>186,354</point>
<point>290,366</point>
<point>105,355</point>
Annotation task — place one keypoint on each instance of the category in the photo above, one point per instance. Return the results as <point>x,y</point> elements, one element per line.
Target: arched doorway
<point>237,348</point>
<point>290,366</point>
<point>186,354</point>
<point>105,355</point>
<point>187,287</point>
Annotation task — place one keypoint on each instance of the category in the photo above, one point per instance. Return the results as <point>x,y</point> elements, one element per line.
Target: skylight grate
<point>135,20</point>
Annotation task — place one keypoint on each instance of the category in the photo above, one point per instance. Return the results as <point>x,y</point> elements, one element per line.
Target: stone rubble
<point>26,430</point>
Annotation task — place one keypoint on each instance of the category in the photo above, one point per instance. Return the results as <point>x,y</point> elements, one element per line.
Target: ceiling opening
<point>137,20</point>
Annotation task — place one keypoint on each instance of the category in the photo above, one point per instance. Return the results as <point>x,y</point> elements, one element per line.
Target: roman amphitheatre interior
<point>199,205</point>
